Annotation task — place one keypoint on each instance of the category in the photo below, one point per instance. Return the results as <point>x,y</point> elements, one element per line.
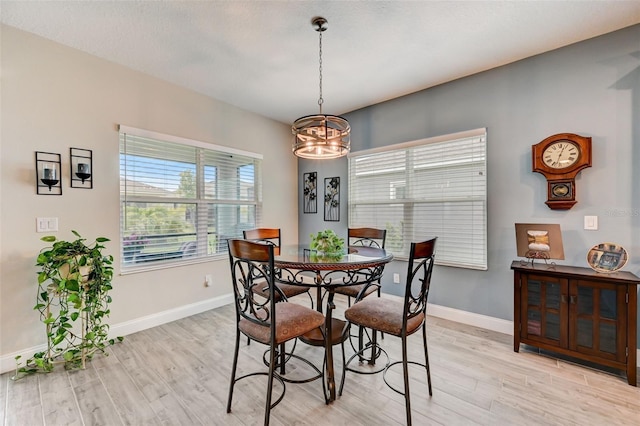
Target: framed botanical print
<point>332,199</point>
<point>310,203</point>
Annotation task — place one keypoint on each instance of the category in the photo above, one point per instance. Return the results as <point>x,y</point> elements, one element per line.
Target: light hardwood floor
<point>178,374</point>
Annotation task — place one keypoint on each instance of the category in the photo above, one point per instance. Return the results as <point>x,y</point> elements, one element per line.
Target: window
<point>181,200</point>
<point>431,187</point>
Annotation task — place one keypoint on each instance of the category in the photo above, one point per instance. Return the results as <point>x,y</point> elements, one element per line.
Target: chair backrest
<point>370,237</point>
<point>421,258</point>
<point>252,265</point>
<point>267,235</point>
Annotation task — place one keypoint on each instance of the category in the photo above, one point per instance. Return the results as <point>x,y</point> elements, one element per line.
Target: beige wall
<point>54,98</point>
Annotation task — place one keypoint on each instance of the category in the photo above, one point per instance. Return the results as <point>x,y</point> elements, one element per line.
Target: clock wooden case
<point>559,158</point>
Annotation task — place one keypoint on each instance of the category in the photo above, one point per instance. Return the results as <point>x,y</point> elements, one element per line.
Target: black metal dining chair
<point>401,318</point>
<point>368,237</point>
<point>262,319</point>
<point>284,291</point>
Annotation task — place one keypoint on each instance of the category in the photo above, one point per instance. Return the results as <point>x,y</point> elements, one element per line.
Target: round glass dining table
<point>299,265</point>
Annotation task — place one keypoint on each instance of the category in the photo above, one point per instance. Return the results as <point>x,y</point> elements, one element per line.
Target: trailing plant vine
<point>73,300</point>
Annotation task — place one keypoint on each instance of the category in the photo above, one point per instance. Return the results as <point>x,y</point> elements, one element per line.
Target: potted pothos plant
<point>73,300</point>
<point>328,243</point>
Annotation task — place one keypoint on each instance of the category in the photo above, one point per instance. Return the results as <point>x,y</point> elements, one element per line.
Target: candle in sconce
<point>83,168</point>
<point>49,172</point>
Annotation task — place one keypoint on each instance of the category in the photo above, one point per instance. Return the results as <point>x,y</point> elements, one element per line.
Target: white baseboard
<point>476,320</point>
<point>469,318</point>
<point>8,362</point>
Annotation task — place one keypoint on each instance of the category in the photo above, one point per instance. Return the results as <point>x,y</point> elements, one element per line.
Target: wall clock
<point>559,158</point>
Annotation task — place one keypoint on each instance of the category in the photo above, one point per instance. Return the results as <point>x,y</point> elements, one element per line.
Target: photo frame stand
<point>532,255</point>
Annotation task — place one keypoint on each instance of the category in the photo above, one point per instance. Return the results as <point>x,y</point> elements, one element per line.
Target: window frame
<point>403,170</point>
<point>203,205</point>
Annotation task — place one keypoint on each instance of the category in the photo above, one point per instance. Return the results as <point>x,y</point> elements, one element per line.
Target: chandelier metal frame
<point>321,136</point>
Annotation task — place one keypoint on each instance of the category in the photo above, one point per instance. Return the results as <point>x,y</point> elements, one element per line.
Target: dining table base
<point>316,337</point>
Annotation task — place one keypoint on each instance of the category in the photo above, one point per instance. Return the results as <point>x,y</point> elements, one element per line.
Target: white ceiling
<point>262,56</point>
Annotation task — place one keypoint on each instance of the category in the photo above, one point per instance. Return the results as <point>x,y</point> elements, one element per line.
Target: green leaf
<point>68,356</point>
<point>102,239</point>
<point>73,285</point>
<point>76,234</point>
<point>74,316</point>
<point>48,238</point>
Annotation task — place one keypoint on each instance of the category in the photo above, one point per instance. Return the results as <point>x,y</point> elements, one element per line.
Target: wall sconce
<point>81,168</point>
<point>48,173</point>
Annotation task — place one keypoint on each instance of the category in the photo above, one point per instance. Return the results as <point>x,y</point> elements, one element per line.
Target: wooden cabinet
<point>577,312</point>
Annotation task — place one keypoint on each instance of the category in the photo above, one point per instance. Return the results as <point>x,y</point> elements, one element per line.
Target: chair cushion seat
<point>354,290</point>
<point>289,290</point>
<point>292,320</point>
<point>382,314</point>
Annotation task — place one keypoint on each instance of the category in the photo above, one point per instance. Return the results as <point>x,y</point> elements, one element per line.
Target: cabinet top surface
<point>576,271</point>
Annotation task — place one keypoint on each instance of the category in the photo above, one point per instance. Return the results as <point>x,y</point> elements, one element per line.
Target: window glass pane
<point>157,231</point>
<point>246,187</point>
<point>158,170</point>
<point>227,222</point>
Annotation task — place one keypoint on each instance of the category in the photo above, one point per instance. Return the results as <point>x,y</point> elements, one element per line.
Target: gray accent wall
<point>590,88</point>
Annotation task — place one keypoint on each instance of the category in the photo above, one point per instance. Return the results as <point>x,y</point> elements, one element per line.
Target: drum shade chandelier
<point>321,136</point>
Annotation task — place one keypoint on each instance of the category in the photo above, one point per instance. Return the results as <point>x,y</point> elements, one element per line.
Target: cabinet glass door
<point>596,311</point>
<point>544,313</point>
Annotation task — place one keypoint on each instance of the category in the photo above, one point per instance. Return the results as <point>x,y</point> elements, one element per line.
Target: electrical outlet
<point>396,278</point>
<point>208,280</point>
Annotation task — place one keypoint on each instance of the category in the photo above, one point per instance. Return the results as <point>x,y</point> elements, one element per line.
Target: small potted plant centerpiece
<point>328,243</point>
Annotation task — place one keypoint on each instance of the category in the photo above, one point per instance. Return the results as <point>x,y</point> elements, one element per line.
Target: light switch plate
<point>46,224</point>
<point>591,223</point>
<point>42,224</point>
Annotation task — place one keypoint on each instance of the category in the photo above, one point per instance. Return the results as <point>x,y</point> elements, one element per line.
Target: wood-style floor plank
<point>178,374</point>
<point>59,405</point>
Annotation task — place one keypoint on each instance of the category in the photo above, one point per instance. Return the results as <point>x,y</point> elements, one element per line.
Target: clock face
<point>561,154</point>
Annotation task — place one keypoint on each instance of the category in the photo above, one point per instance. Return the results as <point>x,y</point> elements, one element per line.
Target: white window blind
<point>181,200</point>
<point>417,190</point>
